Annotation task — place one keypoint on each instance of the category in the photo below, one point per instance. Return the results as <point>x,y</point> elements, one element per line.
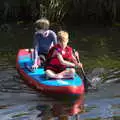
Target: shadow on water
<point>20,102</point>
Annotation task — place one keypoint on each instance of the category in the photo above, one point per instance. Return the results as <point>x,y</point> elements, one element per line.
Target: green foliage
<point>102,62</point>
<point>55,10</point>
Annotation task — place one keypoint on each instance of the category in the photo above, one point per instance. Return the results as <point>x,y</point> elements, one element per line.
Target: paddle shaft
<point>86,81</point>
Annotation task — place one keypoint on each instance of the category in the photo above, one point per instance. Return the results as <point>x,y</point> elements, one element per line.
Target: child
<point>44,39</point>
<point>61,61</point>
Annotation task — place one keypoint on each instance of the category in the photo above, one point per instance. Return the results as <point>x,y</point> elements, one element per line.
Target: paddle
<point>86,81</point>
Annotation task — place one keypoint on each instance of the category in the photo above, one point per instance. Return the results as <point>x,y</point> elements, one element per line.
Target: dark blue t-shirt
<point>43,40</point>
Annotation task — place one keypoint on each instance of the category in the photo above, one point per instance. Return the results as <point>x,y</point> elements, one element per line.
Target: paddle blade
<point>85,81</point>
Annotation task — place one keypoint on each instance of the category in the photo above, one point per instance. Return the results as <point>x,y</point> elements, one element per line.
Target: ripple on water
<point>18,101</point>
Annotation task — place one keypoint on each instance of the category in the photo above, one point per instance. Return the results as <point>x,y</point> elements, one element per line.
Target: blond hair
<point>42,24</point>
<point>63,35</point>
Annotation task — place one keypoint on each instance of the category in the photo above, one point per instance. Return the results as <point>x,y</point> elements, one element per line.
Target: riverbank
<point>98,45</point>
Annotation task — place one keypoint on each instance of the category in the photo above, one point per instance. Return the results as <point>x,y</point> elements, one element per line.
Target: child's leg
<point>41,60</point>
<point>68,73</point>
<point>50,74</point>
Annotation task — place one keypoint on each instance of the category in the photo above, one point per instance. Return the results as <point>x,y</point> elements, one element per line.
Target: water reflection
<point>42,111</point>
<point>20,102</point>
<point>62,111</point>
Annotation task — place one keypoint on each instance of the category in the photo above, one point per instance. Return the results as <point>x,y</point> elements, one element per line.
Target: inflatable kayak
<point>37,78</point>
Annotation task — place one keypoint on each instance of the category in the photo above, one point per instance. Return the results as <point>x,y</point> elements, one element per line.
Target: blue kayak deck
<point>39,74</point>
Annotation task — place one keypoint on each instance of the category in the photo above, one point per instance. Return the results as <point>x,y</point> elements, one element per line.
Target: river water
<point>100,54</point>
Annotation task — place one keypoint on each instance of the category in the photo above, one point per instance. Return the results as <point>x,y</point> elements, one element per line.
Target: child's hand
<point>35,66</point>
<point>77,54</point>
<point>79,65</point>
